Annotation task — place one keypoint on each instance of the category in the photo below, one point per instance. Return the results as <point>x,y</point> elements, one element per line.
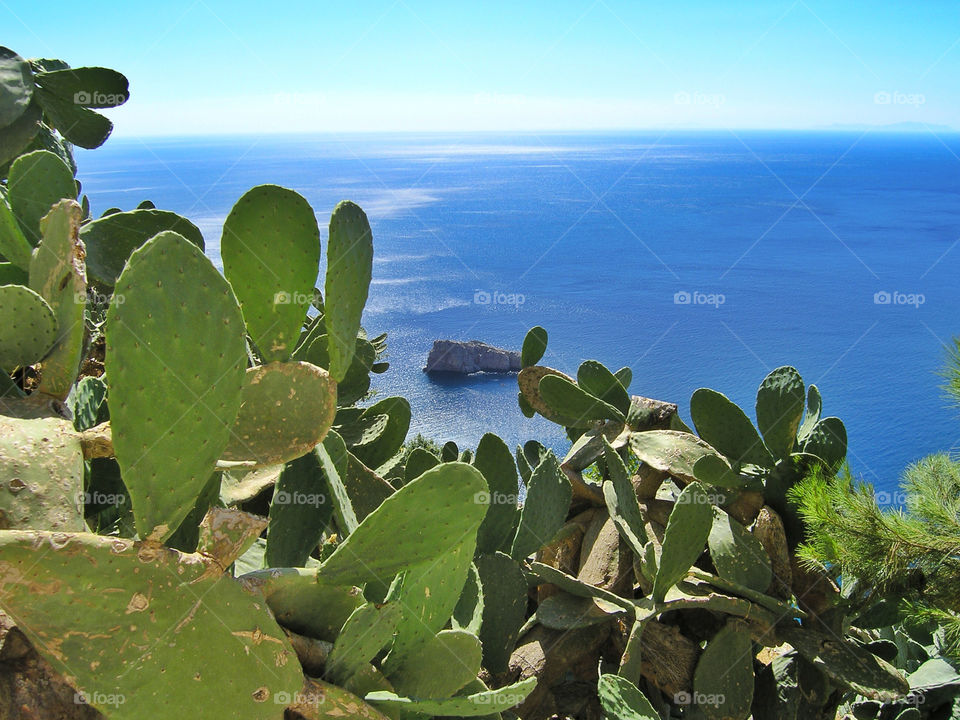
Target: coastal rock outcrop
<point>470,357</point>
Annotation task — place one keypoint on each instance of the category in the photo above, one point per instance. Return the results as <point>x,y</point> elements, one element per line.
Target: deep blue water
<point>593,237</point>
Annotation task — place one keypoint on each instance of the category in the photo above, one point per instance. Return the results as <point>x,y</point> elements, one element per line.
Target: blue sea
<point>696,258</point>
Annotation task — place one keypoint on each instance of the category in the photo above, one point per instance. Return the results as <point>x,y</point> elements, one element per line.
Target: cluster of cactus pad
<point>218,516</point>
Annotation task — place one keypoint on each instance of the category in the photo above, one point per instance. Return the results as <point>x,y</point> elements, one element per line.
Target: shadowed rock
<point>470,357</point>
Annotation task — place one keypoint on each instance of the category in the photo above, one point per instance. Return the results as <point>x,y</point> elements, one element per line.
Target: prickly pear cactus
<point>475,704</point>
<point>41,475</point>
<point>28,327</point>
<point>271,256</point>
<point>286,409</point>
<point>422,520</point>
<point>37,181</point>
<point>58,273</point>
<point>111,239</point>
<point>144,631</point>
<point>349,267</point>
<point>175,358</point>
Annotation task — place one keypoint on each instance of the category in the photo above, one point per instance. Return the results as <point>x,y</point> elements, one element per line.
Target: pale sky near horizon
<point>213,67</point>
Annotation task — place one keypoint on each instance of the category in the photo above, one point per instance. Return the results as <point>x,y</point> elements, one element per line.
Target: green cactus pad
<point>477,704</point>
<point>572,585</point>
<point>723,680</point>
<point>687,531</point>
<point>88,402</point>
<point>335,464</point>
<point>577,406</point>
<point>721,422</point>
<point>444,664</point>
<point>671,451</point>
<point>190,635</point>
<point>367,631</point>
<point>596,379</point>
<point>13,244</point>
<point>90,87</point>
<point>10,274</point>
<point>41,475</point>
<point>422,520</point>
<point>364,487</point>
<point>528,381</point>
<point>77,124</point>
<point>621,699</point>
<point>429,594</point>
<point>349,268</point>
<point>175,358</point>
<point>546,506</point>
<point>848,664</point>
<point>468,614</point>
<point>397,410</point>
<point>564,611</point>
<point>621,499</point>
<point>812,416</point>
<point>738,555</point>
<point>16,86</point>
<point>28,327</point>
<point>299,512</point>
<point>828,441</point>
<point>37,181</point>
<point>780,403</point>
<point>58,274</point>
<point>302,604</point>
<point>286,410</point>
<point>714,470</point>
<point>418,462</point>
<point>271,256</point>
<point>111,239</point>
<point>495,461</point>
<point>534,346</point>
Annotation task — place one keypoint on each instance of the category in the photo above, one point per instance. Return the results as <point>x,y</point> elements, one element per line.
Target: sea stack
<point>455,356</point>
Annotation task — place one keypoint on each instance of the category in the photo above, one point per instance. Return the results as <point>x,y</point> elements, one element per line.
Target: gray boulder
<point>470,357</point>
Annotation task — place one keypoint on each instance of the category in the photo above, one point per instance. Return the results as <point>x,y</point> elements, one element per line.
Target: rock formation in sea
<point>470,357</point>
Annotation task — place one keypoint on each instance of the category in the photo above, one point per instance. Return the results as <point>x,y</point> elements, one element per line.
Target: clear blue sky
<point>206,66</point>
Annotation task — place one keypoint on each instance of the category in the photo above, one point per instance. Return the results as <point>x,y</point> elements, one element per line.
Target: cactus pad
<point>738,555</point>
<point>367,631</point>
<point>286,410</point>
<point>271,256</point>
<point>112,238</point>
<point>41,475</point>
<point>495,461</point>
<point>622,699</point>
<point>190,635</point>
<point>349,268</point>
<point>683,541</point>
<point>723,680</point>
<point>58,273</point>
<point>175,358</point>
<point>534,346</point>
<point>422,520</point>
<point>546,506</point>
<point>721,422</point>
<point>597,380</point>
<point>780,403</point>
<point>13,244</point>
<point>476,704</point>
<point>443,665</point>
<point>37,181</point>
<point>28,327</point>
<point>671,451</point>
